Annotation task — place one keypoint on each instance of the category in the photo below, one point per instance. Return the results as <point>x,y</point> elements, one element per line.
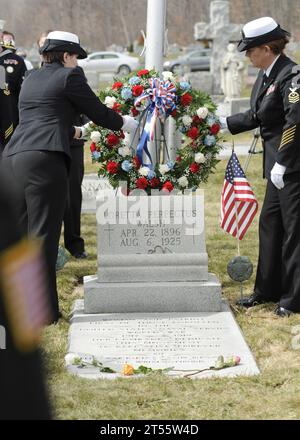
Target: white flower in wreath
<point>187,120</point>
<point>110,101</point>
<point>163,169</point>
<point>70,358</point>
<point>144,171</point>
<point>199,158</point>
<point>202,112</point>
<point>95,136</point>
<point>124,151</point>
<point>167,75</point>
<point>183,182</point>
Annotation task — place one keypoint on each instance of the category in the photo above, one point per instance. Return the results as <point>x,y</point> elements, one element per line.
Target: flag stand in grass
<point>238,202</point>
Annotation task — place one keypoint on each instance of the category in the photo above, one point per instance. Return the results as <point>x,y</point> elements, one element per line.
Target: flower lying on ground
<point>129,370</point>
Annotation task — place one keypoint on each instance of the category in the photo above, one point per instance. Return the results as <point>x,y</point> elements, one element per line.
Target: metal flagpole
<point>237,233</point>
<point>155,43</point>
<point>236,213</point>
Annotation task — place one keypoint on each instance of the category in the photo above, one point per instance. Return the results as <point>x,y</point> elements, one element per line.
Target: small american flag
<point>238,202</point>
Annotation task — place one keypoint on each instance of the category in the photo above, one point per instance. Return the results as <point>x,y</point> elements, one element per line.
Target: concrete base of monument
<point>187,342</point>
<point>149,297</point>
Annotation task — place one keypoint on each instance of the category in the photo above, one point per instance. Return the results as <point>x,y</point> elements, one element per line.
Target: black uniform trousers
<point>278,271</point>
<point>42,179</point>
<point>72,218</point>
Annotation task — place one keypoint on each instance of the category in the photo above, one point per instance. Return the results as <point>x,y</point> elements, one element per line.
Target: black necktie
<point>265,79</point>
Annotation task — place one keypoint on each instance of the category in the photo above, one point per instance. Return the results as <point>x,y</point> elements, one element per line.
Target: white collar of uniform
<point>268,71</point>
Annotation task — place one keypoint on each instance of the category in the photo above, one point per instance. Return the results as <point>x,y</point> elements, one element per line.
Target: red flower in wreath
<point>134,111</point>
<point>112,167</point>
<point>117,107</point>
<point>136,162</point>
<point>194,167</point>
<point>186,99</point>
<point>193,133</point>
<point>154,182</point>
<point>141,183</point>
<point>112,139</point>
<point>117,85</point>
<point>93,147</point>
<point>168,186</point>
<point>215,128</point>
<point>143,72</point>
<point>137,90</point>
<point>197,120</point>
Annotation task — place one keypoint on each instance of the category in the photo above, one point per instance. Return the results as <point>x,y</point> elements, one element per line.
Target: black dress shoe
<point>251,301</point>
<point>281,311</point>
<point>80,255</point>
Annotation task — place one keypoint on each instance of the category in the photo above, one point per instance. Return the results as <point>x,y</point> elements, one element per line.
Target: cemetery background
<point>274,342</point>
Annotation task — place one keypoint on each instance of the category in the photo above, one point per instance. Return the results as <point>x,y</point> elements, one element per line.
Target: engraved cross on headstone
<point>220,32</point>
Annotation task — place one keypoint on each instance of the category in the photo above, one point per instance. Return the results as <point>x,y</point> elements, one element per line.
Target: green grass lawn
<point>275,394</point>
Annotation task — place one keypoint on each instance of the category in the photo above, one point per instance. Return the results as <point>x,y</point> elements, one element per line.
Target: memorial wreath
<point>151,100</point>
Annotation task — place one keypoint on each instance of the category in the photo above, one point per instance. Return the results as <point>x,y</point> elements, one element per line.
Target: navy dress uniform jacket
<point>277,113</point>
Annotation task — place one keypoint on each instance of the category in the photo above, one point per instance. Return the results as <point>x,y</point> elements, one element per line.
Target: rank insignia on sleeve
<point>294,96</point>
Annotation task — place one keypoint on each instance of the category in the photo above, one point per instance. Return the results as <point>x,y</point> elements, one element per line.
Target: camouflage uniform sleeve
<point>289,148</point>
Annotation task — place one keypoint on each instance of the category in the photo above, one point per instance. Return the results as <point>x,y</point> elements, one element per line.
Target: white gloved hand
<point>277,173</point>
<point>83,129</point>
<point>223,122</point>
<point>130,124</point>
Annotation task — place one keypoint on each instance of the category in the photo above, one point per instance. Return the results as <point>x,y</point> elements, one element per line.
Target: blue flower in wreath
<point>126,93</point>
<point>209,140</point>
<point>96,155</point>
<point>170,164</point>
<point>183,129</point>
<point>184,85</point>
<point>126,165</point>
<point>210,120</point>
<point>134,80</point>
<point>151,174</point>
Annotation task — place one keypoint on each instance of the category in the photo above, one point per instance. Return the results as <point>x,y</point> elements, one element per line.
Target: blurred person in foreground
<point>24,310</point>
<point>275,108</point>
<point>38,155</point>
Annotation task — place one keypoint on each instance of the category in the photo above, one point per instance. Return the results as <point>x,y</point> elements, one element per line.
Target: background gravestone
<point>219,32</point>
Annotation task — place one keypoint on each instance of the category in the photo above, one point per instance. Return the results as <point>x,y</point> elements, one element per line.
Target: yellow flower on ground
<point>127,369</point>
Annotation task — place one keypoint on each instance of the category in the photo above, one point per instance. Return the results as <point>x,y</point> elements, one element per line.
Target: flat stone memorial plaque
<point>184,341</point>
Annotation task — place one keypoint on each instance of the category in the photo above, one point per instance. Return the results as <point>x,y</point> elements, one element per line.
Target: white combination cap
<point>260,31</point>
<point>61,41</point>
<point>63,36</point>
<point>258,27</point>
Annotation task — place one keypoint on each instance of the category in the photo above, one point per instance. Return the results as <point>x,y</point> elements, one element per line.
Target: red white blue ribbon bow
<point>161,97</point>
